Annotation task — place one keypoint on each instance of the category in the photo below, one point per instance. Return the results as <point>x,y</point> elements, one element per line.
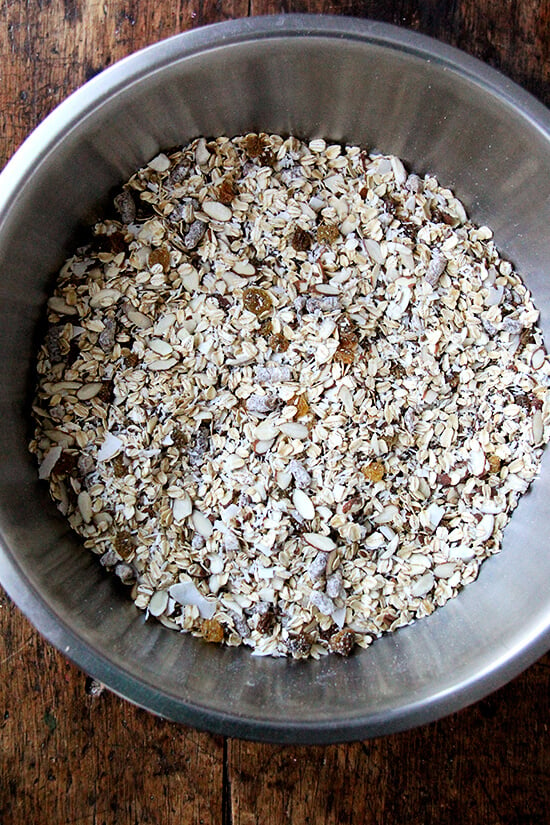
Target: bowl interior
<point>347,81</point>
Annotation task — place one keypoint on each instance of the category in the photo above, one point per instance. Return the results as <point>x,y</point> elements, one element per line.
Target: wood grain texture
<point>69,757</point>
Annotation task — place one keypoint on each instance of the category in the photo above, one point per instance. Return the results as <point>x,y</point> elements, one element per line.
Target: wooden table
<point>68,757</point>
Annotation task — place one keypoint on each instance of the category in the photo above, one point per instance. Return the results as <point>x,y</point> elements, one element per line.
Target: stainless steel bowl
<point>346,80</point>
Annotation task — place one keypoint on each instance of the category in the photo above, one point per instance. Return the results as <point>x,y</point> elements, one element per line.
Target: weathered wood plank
<point>488,764</point>
<point>70,757</point>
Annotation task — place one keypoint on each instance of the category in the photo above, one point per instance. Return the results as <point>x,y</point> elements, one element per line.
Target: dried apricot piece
<point>212,631</point>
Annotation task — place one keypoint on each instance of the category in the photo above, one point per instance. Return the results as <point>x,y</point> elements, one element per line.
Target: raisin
<point>226,191</point>
<point>345,355</point>
<point>265,622</point>
<point>278,342</point>
<point>374,471</point>
<point>106,392</point>
<point>119,467</point>
<point>342,642</point>
<point>212,631</point>
<point>523,400</point>
<point>66,464</point>
<point>117,242</point>
<point>161,256</point>
<point>397,370</point>
<point>327,233</point>
<point>223,302</point>
<point>132,360</point>
<point>444,479</point>
<point>266,328</point>
<point>257,300</point>
<point>301,239</point>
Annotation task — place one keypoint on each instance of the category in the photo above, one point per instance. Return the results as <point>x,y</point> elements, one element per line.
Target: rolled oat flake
<point>290,394</point>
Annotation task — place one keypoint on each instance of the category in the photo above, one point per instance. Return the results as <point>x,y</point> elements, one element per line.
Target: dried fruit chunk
<point>301,239</point>
<point>374,471</point>
<point>342,642</point>
<point>194,234</point>
<point>494,463</point>
<point>348,341</point>
<point>257,300</point>
<point>299,645</point>
<point>278,342</point>
<point>226,191</point>
<point>327,233</point>
<point>212,631</point>
<point>255,145</point>
<point>126,206</point>
<point>346,355</point>
<point>161,256</point>
<point>124,544</point>
<point>302,406</point>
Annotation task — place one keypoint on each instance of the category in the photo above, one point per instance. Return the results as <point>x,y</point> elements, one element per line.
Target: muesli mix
<point>289,393</point>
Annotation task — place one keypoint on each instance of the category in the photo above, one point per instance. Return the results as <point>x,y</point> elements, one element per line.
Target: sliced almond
<point>158,603</point>
<point>217,211</point>
<point>182,508</point>
<point>202,525</point>
<point>303,504</point>
<point>161,347</point>
<point>89,391</point>
<point>324,543</point>
<point>294,429</point>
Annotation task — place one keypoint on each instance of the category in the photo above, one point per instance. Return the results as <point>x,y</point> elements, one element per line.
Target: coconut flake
<point>110,447</point>
<point>185,593</point>
<point>49,462</point>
